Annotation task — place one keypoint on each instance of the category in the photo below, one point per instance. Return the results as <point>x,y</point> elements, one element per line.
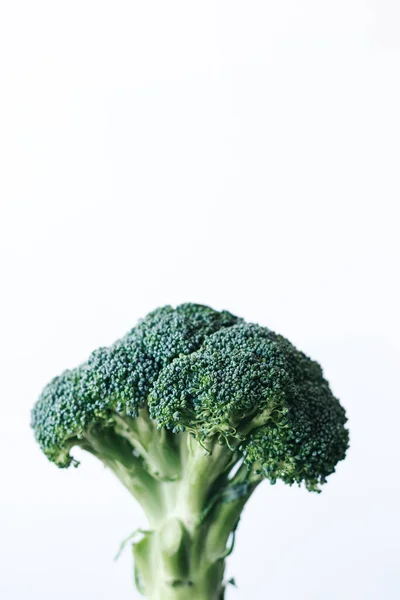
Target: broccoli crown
<point>213,375</point>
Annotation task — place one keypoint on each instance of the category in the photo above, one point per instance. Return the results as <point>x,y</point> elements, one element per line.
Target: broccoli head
<point>191,410</point>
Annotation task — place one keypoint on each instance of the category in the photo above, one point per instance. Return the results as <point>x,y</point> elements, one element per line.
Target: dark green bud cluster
<point>213,375</point>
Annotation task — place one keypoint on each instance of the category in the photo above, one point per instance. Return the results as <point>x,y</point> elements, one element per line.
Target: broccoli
<point>191,410</point>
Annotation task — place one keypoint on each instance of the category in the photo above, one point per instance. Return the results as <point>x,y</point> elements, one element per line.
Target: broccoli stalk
<point>190,496</point>
<point>191,410</point>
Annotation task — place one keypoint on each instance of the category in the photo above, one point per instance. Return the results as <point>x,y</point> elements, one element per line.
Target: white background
<point>239,154</point>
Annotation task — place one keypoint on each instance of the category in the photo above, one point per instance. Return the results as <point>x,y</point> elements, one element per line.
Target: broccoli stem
<point>171,564</point>
<point>176,560</point>
<point>184,557</point>
<point>191,497</point>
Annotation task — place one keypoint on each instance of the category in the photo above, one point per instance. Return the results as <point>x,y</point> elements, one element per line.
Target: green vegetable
<point>191,410</point>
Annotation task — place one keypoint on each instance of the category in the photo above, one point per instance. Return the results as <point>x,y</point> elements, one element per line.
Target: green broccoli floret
<point>191,410</point>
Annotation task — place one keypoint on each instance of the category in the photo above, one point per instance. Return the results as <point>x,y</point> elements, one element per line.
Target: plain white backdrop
<point>243,155</point>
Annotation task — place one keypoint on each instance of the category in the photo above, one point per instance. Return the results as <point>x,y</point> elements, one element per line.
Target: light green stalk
<point>192,503</point>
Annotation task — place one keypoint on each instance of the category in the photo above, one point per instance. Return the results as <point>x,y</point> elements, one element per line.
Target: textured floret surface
<point>213,375</point>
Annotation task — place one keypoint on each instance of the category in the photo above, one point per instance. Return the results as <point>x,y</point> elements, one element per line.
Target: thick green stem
<point>192,502</point>
<point>184,557</point>
<point>171,565</point>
